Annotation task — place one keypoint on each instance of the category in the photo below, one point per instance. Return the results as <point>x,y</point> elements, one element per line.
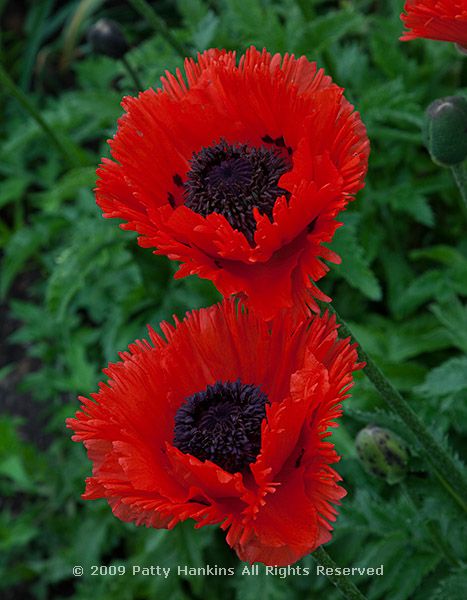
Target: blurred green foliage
<point>76,290</point>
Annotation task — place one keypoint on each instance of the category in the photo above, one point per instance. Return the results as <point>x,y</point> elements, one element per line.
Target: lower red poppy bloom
<point>239,172</point>
<point>444,20</point>
<point>224,421</point>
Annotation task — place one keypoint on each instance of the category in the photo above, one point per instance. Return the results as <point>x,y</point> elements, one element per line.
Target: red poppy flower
<point>239,172</point>
<point>444,20</point>
<point>224,421</point>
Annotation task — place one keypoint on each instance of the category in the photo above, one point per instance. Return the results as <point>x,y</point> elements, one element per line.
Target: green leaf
<point>448,378</point>
<point>13,188</point>
<point>323,31</point>
<point>355,268</point>
<point>392,342</point>
<point>67,187</point>
<point>5,371</point>
<point>206,30</point>
<point>404,200</point>
<point>75,262</point>
<point>453,315</point>
<point>12,467</point>
<point>15,533</point>
<point>22,246</point>
<point>453,586</point>
<point>386,54</point>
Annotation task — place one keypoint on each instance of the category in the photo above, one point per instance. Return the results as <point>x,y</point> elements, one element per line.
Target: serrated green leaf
<point>322,31</point>
<point>453,315</point>
<point>23,245</point>
<point>454,586</point>
<point>73,265</point>
<point>354,267</point>
<point>448,378</point>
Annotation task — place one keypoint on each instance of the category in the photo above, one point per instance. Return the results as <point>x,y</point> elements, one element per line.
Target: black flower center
<point>233,179</point>
<point>222,424</point>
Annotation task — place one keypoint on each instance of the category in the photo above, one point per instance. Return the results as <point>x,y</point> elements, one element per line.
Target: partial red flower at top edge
<point>225,421</point>
<point>239,172</point>
<point>444,20</point>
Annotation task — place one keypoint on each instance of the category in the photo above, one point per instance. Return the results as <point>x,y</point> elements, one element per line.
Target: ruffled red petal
<point>444,20</point>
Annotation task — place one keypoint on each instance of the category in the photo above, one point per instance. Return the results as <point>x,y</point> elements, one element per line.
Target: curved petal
<point>444,20</point>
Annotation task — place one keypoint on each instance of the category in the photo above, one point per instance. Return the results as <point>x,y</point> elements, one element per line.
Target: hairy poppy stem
<point>343,584</point>
<point>445,468</point>
<point>460,175</point>
<point>159,25</point>
<point>73,154</point>
<point>132,73</point>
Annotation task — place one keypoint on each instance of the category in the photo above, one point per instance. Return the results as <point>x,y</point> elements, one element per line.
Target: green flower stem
<point>460,175</point>
<point>132,73</point>
<point>343,584</point>
<point>72,153</point>
<point>461,500</point>
<point>442,463</point>
<point>159,25</point>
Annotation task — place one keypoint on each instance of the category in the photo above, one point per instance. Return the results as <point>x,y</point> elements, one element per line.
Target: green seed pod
<point>106,37</point>
<point>445,130</point>
<point>382,453</point>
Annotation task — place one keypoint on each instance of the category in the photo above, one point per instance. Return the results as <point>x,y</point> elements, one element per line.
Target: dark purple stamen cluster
<point>222,424</point>
<point>233,179</point>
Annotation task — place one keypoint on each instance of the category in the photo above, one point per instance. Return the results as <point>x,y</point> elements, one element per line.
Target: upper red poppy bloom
<point>239,172</point>
<point>224,421</point>
<point>444,20</point>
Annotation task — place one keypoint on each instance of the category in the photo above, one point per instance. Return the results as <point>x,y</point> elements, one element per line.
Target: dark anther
<point>171,199</point>
<point>267,139</point>
<point>177,180</point>
<point>231,180</point>
<point>222,424</point>
<point>280,142</point>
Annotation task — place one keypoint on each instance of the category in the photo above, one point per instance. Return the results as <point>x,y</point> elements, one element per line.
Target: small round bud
<point>106,37</point>
<point>382,453</point>
<point>446,130</point>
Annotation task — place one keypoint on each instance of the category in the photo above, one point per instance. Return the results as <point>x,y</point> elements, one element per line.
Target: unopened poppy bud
<point>382,453</point>
<point>446,130</point>
<point>106,37</point>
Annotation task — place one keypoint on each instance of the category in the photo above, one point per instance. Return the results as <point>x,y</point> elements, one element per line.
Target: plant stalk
<point>460,175</point>
<point>159,25</point>
<point>133,74</point>
<point>348,589</point>
<point>70,152</point>
<point>440,460</point>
